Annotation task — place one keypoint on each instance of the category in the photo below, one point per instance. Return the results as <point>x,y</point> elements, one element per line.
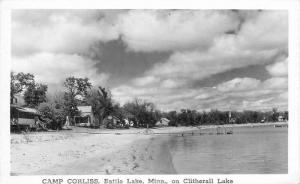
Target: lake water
<point>258,150</point>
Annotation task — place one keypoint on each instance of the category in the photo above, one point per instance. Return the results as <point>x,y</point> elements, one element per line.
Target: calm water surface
<point>259,150</point>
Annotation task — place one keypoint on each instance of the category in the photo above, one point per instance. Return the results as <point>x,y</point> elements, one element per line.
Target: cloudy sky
<point>198,59</point>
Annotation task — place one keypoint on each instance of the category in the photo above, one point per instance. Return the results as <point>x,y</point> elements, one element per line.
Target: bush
<point>53,115</point>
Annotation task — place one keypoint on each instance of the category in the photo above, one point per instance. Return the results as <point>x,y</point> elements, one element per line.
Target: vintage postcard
<point>149,95</point>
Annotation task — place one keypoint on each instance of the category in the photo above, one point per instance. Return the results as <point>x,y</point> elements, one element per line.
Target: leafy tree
<point>203,118</point>
<point>70,105</point>
<point>143,113</point>
<point>192,117</point>
<point>188,117</point>
<point>132,110</point>
<point>35,94</point>
<point>19,82</point>
<point>158,115</point>
<point>275,114</point>
<point>118,111</point>
<point>182,117</point>
<point>53,114</point>
<point>76,88</point>
<point>286,115</point>
<point>57,98</point>
<point>172,116</point>
<point>101,102</point>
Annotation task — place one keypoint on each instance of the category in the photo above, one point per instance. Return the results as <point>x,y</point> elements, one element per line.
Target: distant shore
<point>246,125</point>
<point>94,151</point>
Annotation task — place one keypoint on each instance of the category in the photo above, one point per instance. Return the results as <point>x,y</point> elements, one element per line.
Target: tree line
<point>80,91</point>
<point>187,117</point>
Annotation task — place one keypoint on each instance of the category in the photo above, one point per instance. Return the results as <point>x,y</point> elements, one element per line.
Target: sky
<point>196,59</point>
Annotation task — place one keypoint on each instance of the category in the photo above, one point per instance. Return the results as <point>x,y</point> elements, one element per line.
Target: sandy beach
<point>91,151</point>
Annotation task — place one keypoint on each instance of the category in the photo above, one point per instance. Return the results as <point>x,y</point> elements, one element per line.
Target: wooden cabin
<point>23,118</point>
<point>162,122</point>
<point>86,117</point>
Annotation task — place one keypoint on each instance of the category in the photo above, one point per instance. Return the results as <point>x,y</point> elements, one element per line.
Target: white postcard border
<point>294,78</point>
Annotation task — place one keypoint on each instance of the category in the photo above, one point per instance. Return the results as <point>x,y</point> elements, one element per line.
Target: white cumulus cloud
<point>161,30</point>
<point>279,68</point>
<point>55,44</point>
<point>60,31</point>
<point>54,68</point>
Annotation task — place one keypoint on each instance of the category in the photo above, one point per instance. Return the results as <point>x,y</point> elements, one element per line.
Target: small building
<point>86,116</point>
<point>163,122</point>
<point>18,99</point>
<point>24,118</point>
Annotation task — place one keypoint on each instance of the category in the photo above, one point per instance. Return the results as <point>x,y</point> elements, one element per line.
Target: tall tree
<point>101,101</point>
<point>76,88</point>
<point>35,94</point>
<point>172,116</point>
<point>275,114</point>
<point>19,82</point>
<point>143,113</point>
<point>53,113</point>
<point>286,115</point>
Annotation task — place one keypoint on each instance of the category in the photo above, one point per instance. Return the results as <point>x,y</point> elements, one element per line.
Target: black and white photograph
<point>149,92</point>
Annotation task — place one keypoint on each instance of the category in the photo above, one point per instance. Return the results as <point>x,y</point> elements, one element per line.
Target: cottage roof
<point>29,110</point>
<point>85,109</point>
<point>164,119</point>
<point>26,109</point>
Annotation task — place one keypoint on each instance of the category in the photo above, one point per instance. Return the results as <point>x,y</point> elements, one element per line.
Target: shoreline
<point>127,151</point>
<point>90,154</point>
<point>144,156</point>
